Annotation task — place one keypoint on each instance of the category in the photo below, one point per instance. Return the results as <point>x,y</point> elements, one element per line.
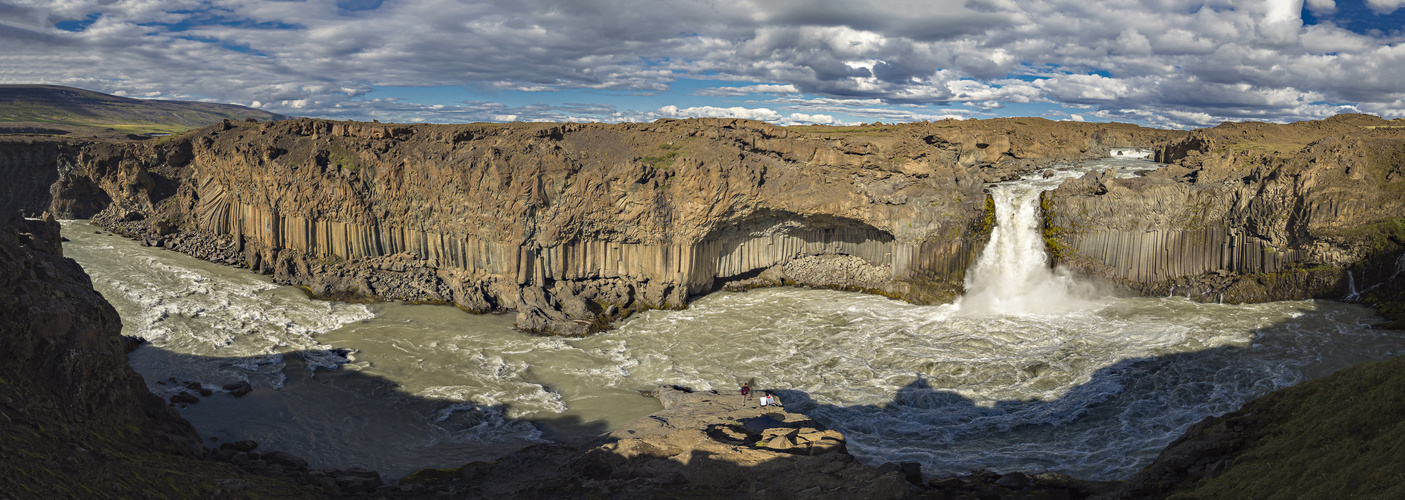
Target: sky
<point>1160,63</point>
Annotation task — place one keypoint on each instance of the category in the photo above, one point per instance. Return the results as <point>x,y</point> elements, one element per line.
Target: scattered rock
<point>286,460</point>
<point>1013,480</point>
<point>237,389</point>
<point>244,445</point>
<point>912,471</point>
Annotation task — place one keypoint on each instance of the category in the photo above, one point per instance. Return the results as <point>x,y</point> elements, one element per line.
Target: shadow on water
<point>1105,428</point>
<point>342,418</point>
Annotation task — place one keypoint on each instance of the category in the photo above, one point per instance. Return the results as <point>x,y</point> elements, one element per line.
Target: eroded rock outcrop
<point>716,444</point>
<point>75,420</point>
<point>574,226</point>
<point>1248,212</point>
<point>701,443</point>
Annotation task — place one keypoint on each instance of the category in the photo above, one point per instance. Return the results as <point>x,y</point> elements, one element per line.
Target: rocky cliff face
<point>28,166</point>
<point>75,420</point>
<point>574,226</point>
<point>1247,212</point>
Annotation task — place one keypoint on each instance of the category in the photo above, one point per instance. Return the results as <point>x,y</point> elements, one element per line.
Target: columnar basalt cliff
<point>1247,212</point>
<point>574,226</point>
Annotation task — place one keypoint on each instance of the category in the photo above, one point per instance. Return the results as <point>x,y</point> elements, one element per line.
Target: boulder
<point>285,460</point>
<point>246,445</point>
<point>1013,480</point>
<point>912,471</point>
<point>237,389</point>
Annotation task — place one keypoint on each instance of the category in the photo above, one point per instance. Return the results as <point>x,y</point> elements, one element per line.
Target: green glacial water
<point>1031,371</point>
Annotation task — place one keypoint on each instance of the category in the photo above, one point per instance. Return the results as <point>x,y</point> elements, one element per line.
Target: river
<point>1031,370</point>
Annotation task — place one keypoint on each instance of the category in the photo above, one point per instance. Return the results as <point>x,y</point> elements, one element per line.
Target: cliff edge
<point>1248,212</point>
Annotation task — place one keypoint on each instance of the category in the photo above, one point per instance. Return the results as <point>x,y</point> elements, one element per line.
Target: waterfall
<point>1012,275</point>
<point>1352,295</point>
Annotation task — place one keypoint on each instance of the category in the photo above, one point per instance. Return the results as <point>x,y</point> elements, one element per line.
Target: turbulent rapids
<point>1031,370</point>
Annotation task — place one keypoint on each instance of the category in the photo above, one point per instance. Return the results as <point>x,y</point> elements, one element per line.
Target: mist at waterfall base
<point>1030,371</point>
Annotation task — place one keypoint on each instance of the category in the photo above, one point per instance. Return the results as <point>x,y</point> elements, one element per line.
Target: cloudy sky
<point>1167,63</point>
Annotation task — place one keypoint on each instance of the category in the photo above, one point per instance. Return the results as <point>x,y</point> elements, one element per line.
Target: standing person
<point>746,393</point>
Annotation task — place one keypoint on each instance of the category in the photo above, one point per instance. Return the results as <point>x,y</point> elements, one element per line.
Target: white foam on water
<point>1012,275</point>
<point>465,423</point>
<point>1092,391</point>
<point>215,325</point>
<point>1129,153</point>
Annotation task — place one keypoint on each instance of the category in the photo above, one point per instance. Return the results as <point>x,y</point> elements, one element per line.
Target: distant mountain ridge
<point>59,110</point>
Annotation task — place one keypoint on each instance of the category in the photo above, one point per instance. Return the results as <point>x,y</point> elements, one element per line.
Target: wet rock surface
<point>716,444</point>
<point>701,443</point>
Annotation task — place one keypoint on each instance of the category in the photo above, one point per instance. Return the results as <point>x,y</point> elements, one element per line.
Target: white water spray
<point>1012,275</point>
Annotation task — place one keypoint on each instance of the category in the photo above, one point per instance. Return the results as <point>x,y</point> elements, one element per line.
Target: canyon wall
<point>1247,212</point>
<point>75,420</point>
<point>28,167</point>
<point>576,225</point>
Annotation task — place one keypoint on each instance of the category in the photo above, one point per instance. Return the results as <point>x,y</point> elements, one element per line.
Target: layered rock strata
<point>1246,213</point>
<point>574,226</point>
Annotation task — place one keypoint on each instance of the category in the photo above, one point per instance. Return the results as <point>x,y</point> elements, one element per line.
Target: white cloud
<point>1170,62</point>
<point>1385,6</point>
<point>762,114</point>
<point>1322,6</point>
<point>801,118</point>
<point>747,89</point>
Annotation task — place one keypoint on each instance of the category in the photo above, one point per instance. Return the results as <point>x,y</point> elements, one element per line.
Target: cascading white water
<point>1012,274</point>
<point>1013,378</point>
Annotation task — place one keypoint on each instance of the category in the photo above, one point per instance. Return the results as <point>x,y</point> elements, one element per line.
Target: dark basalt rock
<point>184,398</point>
<point>240,446</point>
<point>238,389</point>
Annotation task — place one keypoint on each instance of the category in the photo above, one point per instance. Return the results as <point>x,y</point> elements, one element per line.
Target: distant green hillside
<point>56,110</point>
